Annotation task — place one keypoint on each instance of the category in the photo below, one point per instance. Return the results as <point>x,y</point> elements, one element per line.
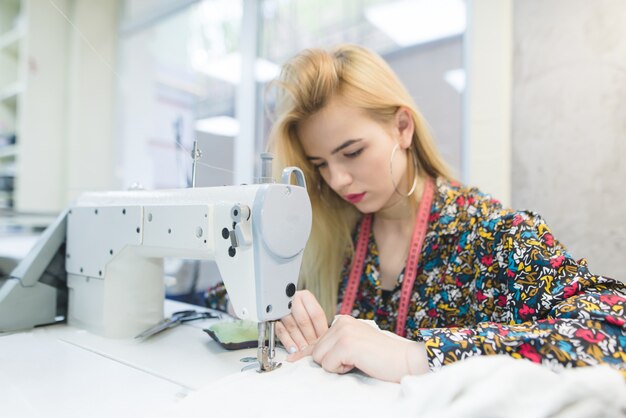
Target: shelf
<point>9,93</point>
<point>9,151</point>
<point>7,170</point>
<point>11,221</point>
<point>30,30</point>
<point>10,14</point>
<point>6,199</point>
<point>10,41</point>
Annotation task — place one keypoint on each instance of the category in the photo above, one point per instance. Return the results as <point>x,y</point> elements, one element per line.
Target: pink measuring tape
<point>356,271</point>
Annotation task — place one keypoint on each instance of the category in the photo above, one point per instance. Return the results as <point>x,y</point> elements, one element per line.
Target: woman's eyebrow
<point>339,148</point>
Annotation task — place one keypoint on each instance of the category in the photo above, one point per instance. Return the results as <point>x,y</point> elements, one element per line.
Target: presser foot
<point>263,363</point>
<point>256,365</point>
<point>265,352</point>
<point>266,363</point>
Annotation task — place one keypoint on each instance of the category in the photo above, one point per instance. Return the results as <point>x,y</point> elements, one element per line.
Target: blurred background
<point>526,100</point>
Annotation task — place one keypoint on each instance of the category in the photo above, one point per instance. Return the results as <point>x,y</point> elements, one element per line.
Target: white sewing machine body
<point>115,242</point>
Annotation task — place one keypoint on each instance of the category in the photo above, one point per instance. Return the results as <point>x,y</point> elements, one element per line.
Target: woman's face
<point>352,152</point>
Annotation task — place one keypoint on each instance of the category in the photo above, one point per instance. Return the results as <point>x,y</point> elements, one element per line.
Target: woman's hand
<point>351,343</point>
<point>305,325</point>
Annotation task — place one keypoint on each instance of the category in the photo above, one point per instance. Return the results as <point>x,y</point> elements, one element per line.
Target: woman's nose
<point>338,178</point>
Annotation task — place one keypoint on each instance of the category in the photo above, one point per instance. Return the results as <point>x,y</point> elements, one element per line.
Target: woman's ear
<point>404,127</point>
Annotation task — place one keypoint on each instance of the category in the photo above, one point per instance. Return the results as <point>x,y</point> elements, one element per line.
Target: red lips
<point>354,198</point>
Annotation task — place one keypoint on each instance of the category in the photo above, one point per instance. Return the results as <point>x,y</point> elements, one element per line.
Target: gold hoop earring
<point>395,186</point>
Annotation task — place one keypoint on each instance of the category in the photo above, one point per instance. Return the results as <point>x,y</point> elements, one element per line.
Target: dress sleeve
<point>217,298</point>
<point>541,304</point>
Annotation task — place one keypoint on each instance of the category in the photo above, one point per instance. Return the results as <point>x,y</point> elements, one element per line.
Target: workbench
<point>62,371</point>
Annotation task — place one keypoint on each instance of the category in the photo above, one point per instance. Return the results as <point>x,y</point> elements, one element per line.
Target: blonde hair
<point>307,82</point>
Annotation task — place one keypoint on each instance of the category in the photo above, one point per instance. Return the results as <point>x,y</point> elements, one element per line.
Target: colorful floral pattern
<point>495,281</point>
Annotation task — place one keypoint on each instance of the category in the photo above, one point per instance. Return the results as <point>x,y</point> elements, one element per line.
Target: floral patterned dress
<point>495,281</point>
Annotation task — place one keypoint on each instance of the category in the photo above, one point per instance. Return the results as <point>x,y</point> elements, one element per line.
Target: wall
<point>569,124</point>
<point>66,110</point>
<point>422,68</point>
<point>90,145</point>
<point>487,102</point>
<point>42,111</point>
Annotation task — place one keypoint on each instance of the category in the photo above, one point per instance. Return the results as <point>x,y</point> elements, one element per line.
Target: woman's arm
<point>351,343</point>
<point>550,308</point>
<point>217,298</point>
<point>348,344</point>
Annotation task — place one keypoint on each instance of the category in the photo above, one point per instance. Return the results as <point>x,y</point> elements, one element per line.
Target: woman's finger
<point>315,312</point>
<point>333,351</point>
<point>335,362</point>
<point>300,354</point>
<point>326,344</point>
<point>294,332</point>
<point>304,322</point>
<point>285,338</point>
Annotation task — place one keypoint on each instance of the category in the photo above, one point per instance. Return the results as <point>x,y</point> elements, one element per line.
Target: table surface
<point>63,371</point>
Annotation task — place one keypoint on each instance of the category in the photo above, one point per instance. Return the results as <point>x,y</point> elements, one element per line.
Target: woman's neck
<point>401,212</point>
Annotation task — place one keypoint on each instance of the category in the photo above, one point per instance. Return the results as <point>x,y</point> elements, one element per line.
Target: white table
<point>61,371</point>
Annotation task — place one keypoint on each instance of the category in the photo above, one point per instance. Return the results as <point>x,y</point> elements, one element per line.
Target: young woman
<point>396,240</point>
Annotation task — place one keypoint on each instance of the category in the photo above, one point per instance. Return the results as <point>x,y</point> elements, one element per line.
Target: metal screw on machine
<point>240,213</point>
<point>196,154</point>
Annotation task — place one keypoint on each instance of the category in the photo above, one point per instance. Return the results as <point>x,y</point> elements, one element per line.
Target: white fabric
<point>500,386</point>
<point>492,386</point>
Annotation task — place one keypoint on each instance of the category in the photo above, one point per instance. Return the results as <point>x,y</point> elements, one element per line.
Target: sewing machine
<point>100,264</point>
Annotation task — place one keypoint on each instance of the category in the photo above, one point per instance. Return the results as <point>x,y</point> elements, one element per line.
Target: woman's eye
<point>354,154</point>
<point>320,165</point>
